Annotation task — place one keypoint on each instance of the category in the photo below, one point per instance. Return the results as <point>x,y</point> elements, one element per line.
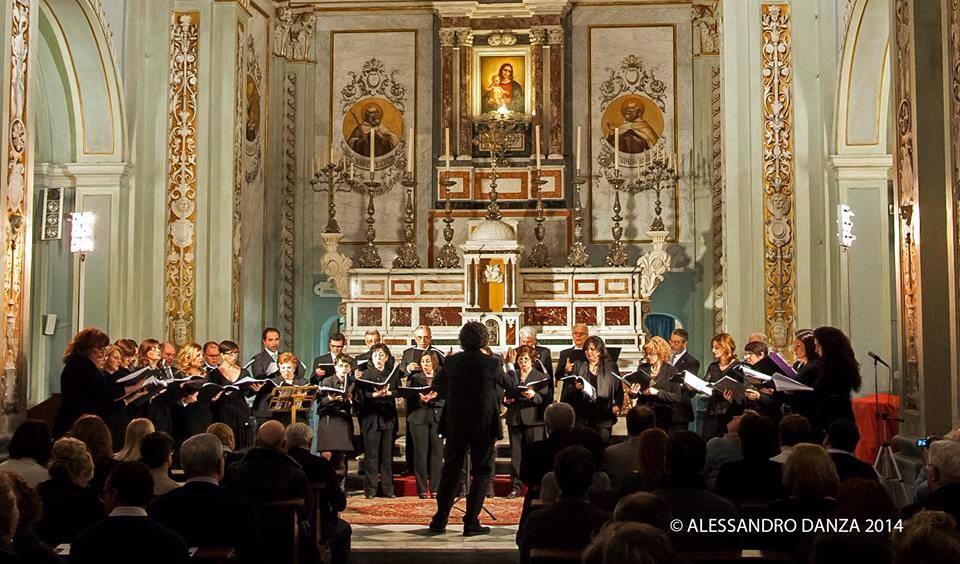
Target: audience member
<point>572,520</point>
<point>859,499</point>
<point>653,463</point>
<point>794,429</point>
<point>9,519</point>
<point>69,505</point>
<point>537,458</point>
<point>228,441</point>
<point>943,480</point>
<point>157,453</point>
<point>644,507</point>
<point>755,478</point>
<point>26,543</point>
<point>810,481</point>
<point>96,435</point>
<point>132,437</point>
<point>721,450</point>
<point>864,498</point>
<point>929,537</point>
<point>202,512</point>
<point>630,543</point>
<point>621,459</point>
<point>683,489</point>
<point>128,534</point>
<point>321,474</point>
<point>29,452</point>
<point>840,442</point>
<point>599,491</point>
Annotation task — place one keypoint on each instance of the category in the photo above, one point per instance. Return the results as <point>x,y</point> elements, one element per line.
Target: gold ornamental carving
<point>716,198</point>
<point>15,203</point>
<point>706,27</point>
<point>776,77</point>
<point>182,177</point>
<point>288,207</point>
<point>236,291</point>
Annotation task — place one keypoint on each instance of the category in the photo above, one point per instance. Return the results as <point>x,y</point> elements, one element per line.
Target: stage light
<point>81,232</point>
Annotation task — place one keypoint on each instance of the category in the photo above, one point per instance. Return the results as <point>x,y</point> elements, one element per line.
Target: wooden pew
<point>285,513</point>
<point>213,554</point>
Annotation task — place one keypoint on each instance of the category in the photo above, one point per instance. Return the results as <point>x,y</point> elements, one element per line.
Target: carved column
<point>447,41</point>
<point>779,268</point>
<point>538,36</point>
<point>464,131</point>
<point>555,40</point>
<point>925,236</point>
<point>16,194</point>
<point>236,263</point>
<point>288,226</point>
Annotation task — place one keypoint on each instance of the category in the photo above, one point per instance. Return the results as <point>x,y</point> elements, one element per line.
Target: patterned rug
<point>412,510</point>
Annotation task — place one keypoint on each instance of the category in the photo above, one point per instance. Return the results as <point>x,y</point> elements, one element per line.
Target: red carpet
<point>416,511</point>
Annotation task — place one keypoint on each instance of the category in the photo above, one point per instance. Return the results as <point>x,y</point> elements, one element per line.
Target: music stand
<point>885,460</point>
<point>292,399</point>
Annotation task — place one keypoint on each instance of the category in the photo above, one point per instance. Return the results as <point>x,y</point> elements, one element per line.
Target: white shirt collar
<point>128,511</point>
<point>837,451</point>
<point>272,354</point>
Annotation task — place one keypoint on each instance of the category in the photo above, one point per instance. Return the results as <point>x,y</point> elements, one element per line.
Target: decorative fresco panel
<point>587,315</point>
<point>370,316</point>
<point>440,316</point>
<point>616,315</point>
<point>400,316</point>
<point>545,316</point>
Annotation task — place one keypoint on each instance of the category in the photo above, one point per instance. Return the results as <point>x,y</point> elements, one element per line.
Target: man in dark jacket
<point>470,420</point>
<point>202,512</point>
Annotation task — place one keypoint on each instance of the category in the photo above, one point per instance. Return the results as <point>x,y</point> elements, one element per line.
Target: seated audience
<point>683,489</point>
<point>157,452</point>
<point>29,452</point>
<point>321,473</point>
<point>26,543</point>
<point>928,537</point>
<point>202,512</point>
<point>599,491</point>
<point>721,450</point>
<point>69,504</point>
<point>228,440</point>
<point>841,440</point>
<point>9,518</point>
<point>810,482</point>
<point>128,534</point>
<point>132,437</point>
<point>864,498</point>
<point>653,463</point>
<point>96,435</point>
<point>644,507</point>
<point>572,521</point>
<point>943,480</point>
<point>755,478</point>
<point>794,429</point>
<point>537,457</point>
<point>630,543</point>
<point>859,499</point>
<point>621,459</point>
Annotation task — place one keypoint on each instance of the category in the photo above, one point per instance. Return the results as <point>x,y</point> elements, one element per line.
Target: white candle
<point>616,148</point>
<point>578,149</point>
<point>447,153</point>
<point>536,147</point>
<point>410,151</point>
<point>372,148</point>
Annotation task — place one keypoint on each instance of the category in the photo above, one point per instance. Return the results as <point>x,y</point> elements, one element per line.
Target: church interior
<point>708,225</point>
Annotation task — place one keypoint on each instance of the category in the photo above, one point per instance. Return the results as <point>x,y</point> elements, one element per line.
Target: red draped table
<point>865,411</point>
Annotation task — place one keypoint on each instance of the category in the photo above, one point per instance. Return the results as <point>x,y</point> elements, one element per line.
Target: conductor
<point>470,420</point>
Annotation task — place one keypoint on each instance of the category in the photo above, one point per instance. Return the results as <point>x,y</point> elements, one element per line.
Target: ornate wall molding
<point>716,198</point>
<point>15,203</point>
<point>776,77</point>
<point>236,264</point>
<point>293,34</point>
<point>287,207</point>
<point>953,56</point>
<point>180,278</point>
<point>555,40</point>
<point>464,127</point>
<point>105,24</point>
<point>706,27</point>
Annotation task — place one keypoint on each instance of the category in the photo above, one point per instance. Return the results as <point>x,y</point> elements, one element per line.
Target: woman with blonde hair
<point>69,504</point>
<point>190,411</point>
<point>719,409</point>
<point>665,393</point>
<point>136,430</point>
<point>810,480</point>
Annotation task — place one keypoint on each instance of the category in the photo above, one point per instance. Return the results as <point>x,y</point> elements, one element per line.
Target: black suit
<point>560,370</point>
<point>525,418</point>
<point>128,540</point>
<point>849,466</point>
<point>471,420</point>
<point>378,427</point>
<point>595,413</point>
<point>672,402</point>
<point>687,362</point>
<point>207,515</point>
<point>564,524</point>
<point>83,389</point>
<point>331,501</point>
<point>423,421</point>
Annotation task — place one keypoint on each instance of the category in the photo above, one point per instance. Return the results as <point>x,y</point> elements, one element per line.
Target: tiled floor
<point>414,544</point>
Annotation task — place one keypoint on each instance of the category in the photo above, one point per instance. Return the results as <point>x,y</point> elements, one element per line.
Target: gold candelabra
<point>329,179</point>
<point>578,256</point>
<point>540,254</point>
<point>448,257</point>
<point>370,255</point>
<point>657,175</point>
<point>407,252</point>
<point>498,133</point>
<point>617,256</point>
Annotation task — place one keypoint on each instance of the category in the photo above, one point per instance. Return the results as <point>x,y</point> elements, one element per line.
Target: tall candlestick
<point>372,148</point>
<point>578,149</point>
<point>331,153</point>
<point>616,148</point>
<point>410,151</point>
<point>536,148</point>
<point>447,152</point>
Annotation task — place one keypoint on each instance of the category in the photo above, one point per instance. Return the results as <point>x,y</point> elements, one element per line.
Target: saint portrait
<point>500,83</point>
<point>639,120</point>
<point>377,115</point>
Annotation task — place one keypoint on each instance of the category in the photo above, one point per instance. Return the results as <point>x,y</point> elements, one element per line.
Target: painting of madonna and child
<point>500,81</point>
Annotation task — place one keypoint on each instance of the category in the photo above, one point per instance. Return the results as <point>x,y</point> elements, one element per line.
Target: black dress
<point>120,414</point>
<point>672,403</point>
<point>334,418</point>
<point>719,411</point>
<point>83,389</point>
<point>595,412</point>
<point>378,426</point>
<point>232,409</point>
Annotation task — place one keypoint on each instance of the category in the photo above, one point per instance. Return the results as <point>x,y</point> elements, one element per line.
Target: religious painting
<point>634,121</point>
<point>378,115</point>
<point>500,78</point>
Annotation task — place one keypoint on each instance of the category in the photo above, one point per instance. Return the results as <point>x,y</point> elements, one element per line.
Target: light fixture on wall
<point>81,243</point>
<point>845,225</point>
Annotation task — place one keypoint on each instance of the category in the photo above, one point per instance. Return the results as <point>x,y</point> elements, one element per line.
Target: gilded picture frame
<point>501,76</point>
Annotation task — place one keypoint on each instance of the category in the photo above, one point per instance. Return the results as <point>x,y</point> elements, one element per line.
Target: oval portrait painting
<point>379,115</point>
<point>640,122</point>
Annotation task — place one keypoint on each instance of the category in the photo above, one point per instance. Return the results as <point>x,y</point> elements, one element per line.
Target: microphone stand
<point>885,459</point>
